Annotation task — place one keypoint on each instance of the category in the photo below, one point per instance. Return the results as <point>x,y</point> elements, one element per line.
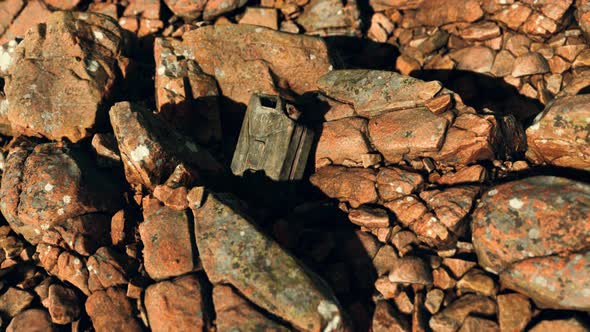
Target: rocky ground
<point>447,189</point>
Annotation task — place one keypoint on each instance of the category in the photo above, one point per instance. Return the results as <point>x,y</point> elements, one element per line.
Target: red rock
<point>151,151</point>
<point>556,282</point>
<point>384,260</point>
<point>62,4</point>
<point>34,12</point>
<point>439,104</point>
<point>557,136</point>
<point>471,174</point>
<point>64,265</point>
<point>31,320</point>
<point>411,270</point>
<point>411,133</point>
<point>330,17</point>
<point>240,258</point>
<point>538,24</point>
<point>373,92</point>
<point>458,266</point>
<point>479,59</point>
<point>434,299</point>
<point>514,312</point>
<point>234,53</point>
<point>109,9</point>
<point>530,64</point>
<point>406,65</point>
<point>453,316</point>
<point>108,268</point>
<point>234,312</point>
<point>386,288</point>
<point>353,185</point>
<point>387,319</point>
<point>168,250</point>
<point>176,305</point>
<point>266,17</point>
<point>413,214</point>
<point>442,279</point>
<point>89,81</point>
<point>503,64</point>
<point>477,324</point>
<point>56,188</point>
<point>343,141</point>
<point>381,5</point>
<point>110,310</point>
<point>394,183</point>
<point>369,217</point>
<point>8,11</point>
<point>480,31</point>
<point>572,324</point>
<point>381,28</point>
<point>121,228</point>
<point>14,301</point>
<point>583,15</point>
<point>63,304</point>
<point>514,16</point>
<point>451,205</point>
<point>476,281</point>
<point>148,9</point>
<point>440,12</point>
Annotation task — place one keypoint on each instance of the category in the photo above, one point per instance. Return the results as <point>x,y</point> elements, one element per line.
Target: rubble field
<point>295,165</point>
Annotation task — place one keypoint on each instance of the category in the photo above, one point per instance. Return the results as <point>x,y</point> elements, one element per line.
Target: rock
<point>530,64</point>
<point>240,257</point>
<point>234,312</point>
<point>34,12</point>
<point>110,310</point>
<point>477,324</point>
<point>14,301</point>
<point>582,14</point>
<point>330,17</point>
<point>386,288</point>
<point>63,4</point>
<point>64,265</point>
<point>353,185</point>
<point>63,304</point>
<point>266,17</point>
<point>56,188</point>
<point>220,51</point>
<point>442,279</point>
<point>54,72</point>
<point>369,217</point>
<point>453,316</point>
<point>409,132</point>
<point>394,183</point>
<point>185,95</point>
<point>9,9</point>
<point>191,9</point>
<point>477,281</point>
<point>31,320</point>
<point>108,268</point>
<point>343,141</point>
<point>451,205</point>
<point>434,300</point>
<point>479,59</point>
<point>151,151</point>
<point>439,105</point>
<point>168,249</point>
<point>413,214</point>
<point>387,319</point>
<point>514,312</point>
<point>553,281</point>
<point>480,31</point>
<point>381,28</point>
<point>559,135</point>
<point>105,146</point>
<point>372,92</point>
<point>176,305</point>
<point>458,266</point>
<point>571,324</point>
<point>122,228</point>
<point>440,12</point>
<point>530,246</point>
<point>411,270</point>
<point>513,16</point>
<point>381,5</point>
<point>385,260</point>
<point>503,64</point>
<point>471,174</point>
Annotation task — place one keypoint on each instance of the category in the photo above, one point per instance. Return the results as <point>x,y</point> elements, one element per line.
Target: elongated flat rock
<point>233,251</point>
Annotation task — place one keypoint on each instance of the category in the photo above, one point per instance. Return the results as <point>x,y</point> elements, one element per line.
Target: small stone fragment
<point>387,319</point>
<point>514,312</point>
<point>31,320</point>
<point>369,217</point>
<point>434,300</point>
<point>530,64</point>
<point>63,304</point>
<point>266,17</point>
<point>453,316</point>
<point>343,141</point>
<point>353,185</point>
<point>110,310</point>
<point>411,270</point>
<point>13,301</point>
<point>477,281</point>
<point>572,324</point>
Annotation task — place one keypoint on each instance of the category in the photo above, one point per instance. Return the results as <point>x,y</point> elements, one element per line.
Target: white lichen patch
<point>515,203</point>
<point>493,192</point>
<point>399,190</point>
<point>92,65</point>
<point>60,211</point>
<point>312,57</point>
<point>76,261</point>
<point>67,199</point>
<point>98,35</point>
<point>330,315</point>
<point>534,233</point>
<point>140,153</point>
<point>161,70</point>
<point>45,227</point>
<point>48,187</point>
<point>5,60</point>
